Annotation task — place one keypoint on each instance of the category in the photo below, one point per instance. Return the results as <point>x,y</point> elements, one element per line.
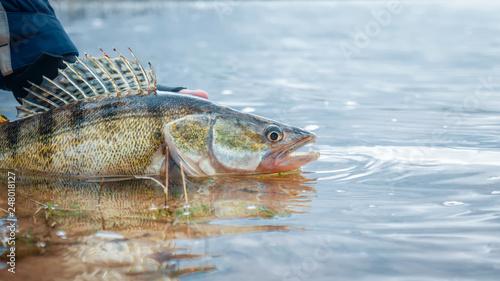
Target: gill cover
<point>211,144</point>
<point>237,144</point>
<point>188,141</point>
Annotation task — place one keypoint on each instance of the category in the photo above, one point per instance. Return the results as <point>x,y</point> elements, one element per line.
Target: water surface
<point>408,125</point>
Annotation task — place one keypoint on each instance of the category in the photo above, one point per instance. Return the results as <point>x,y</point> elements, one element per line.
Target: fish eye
<point>273,133</point>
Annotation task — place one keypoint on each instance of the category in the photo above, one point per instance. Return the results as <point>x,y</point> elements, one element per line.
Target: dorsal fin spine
<point>73,83</point>
<point>118,71</point>
<point>137,82</point>
<point>41,97</point>
<point>47,92</point>
<point>94,74</point>
<point>142,69</point>
<point>83,79</point>
<point>23,112</point>
<point>153,73</point>
<point>62,89</point>
<point>132,71</point>
<point>105,72</point>
<point>35,104</point>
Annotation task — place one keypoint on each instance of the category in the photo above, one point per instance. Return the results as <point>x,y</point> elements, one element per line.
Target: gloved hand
<point>45,65</point>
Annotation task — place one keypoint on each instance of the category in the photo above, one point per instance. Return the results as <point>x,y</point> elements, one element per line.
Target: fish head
<point>236,143</point>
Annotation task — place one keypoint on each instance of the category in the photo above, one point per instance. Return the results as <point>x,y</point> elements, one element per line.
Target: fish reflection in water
<point>123,230</point>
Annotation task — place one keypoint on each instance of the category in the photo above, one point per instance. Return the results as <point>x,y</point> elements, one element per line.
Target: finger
<point>199,93</point>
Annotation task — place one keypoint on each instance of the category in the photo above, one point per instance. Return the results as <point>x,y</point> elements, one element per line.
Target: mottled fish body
<point>112,136</point>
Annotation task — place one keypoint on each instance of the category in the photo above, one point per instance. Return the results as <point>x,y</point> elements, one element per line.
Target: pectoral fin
<point>188,139</point>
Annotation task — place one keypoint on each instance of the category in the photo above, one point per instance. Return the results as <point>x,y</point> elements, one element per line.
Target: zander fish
<point>103,116</point>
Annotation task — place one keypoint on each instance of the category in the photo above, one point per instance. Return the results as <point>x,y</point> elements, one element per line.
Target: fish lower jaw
<point>298,154</point>
<point>294,160</point>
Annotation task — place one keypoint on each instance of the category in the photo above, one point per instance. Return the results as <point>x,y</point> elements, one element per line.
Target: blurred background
<point>403,96</point>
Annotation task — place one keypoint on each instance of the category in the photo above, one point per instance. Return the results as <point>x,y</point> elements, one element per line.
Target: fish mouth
<point>288,159</point>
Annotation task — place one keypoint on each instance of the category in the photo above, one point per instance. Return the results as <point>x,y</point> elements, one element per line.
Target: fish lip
<point>285,157</point>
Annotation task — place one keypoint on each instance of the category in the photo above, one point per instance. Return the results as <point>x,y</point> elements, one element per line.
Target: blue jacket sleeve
<point>34,29</point>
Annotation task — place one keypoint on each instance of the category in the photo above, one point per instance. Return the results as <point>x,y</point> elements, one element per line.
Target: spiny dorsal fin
<point>88,77</point>
<point>3,120</point>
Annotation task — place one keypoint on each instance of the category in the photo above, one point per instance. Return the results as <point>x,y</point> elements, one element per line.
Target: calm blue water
<point>406,109</point>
